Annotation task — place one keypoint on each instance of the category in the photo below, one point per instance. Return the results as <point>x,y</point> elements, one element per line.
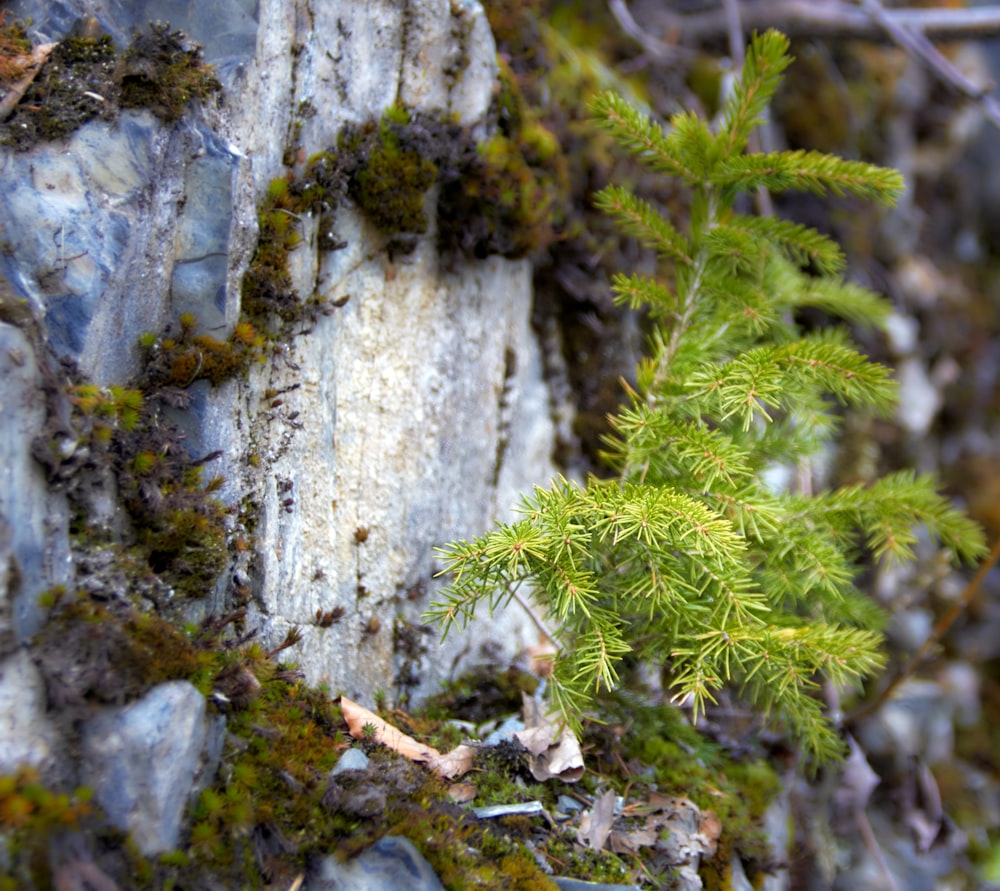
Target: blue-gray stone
<point>352,759</point>
<point>391,864</point>
<point>88,237</point>
<point>201,240</point>
<point>580,885</point>
<point>34,519</point>
<point>142,761</point>
<point>226,29</point>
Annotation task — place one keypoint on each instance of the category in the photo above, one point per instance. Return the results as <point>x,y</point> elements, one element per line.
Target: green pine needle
<point>692,558</point>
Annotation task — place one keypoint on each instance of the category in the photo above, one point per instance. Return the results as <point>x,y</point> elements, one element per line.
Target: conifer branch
<point>639,219</point>
<point>729,581</point>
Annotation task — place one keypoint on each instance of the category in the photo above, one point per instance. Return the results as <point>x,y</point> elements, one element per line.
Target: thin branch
<point>933,639</point>
<point>833,18</point>
<point>734,29</point>
<point>657,49</point>
<point>734,32</point>
<point>917,45</point>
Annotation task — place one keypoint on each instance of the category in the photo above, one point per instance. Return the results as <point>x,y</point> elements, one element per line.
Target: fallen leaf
<point>455,763</point>
<point>358,718</point>
<point>448,766</point>
<point>595,825</point>
<point>709,829</point>
<point>542,657</point>
<point>553,750</point>
<point>857,780</point>
<point>461,793</point>
<point>630,842</point>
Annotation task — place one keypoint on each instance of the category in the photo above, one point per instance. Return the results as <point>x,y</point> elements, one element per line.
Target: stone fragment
<point>388,865</point>
<point>34,550</point>
<point>143,759</point>
<point>27,736</point>
<point>352,759</point>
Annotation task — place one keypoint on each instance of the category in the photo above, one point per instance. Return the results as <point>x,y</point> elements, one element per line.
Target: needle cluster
<point>691,559</point>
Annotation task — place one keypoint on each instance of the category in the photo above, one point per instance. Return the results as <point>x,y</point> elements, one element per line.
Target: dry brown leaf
<point>857,780</point>
<point>542,657</point>
<point>358,717</point>
<point>595,825</point>
<point>630,842</point>
<point>553,750</point>
<point>455,763</point>
<point>448,766</point>
<point>461,793</point>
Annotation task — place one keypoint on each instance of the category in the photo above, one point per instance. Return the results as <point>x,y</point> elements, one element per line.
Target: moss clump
<point>178,527</point>
<point>86,78</point>
<point>76,85</point>
<point>32,817</point>
<point>391,172</point>
<point>481,694</point>
<point>512,199</point>
<point>109,651</point>
<point>179,361</point>
<point>267,292</point>
<point>164,71</point>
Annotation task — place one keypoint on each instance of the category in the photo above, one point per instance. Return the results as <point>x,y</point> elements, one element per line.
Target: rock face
<point>411,414</point>
<point>143,760</point>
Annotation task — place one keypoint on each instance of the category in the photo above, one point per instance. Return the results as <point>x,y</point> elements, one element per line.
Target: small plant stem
<point>939,631</point>
<point>535,618</point>
<point>687,308</point>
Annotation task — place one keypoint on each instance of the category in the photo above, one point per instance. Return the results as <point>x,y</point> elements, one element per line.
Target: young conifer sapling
<point>690,559</point>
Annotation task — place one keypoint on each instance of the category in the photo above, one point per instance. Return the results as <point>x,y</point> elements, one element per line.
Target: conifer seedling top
<point>689,559</point>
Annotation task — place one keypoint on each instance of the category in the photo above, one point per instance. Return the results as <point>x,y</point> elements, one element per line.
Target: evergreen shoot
<point>690,559</point>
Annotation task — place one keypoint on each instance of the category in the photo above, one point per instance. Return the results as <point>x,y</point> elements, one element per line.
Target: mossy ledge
<point>86,78</point>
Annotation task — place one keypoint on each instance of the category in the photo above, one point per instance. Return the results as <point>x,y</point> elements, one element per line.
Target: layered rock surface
<point>411,414</point>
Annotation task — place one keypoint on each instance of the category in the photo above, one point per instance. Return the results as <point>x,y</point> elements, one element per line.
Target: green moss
<point>33,816</point>
<point>85,78</point>
<point>481,694</point>
<point>392,175</point>
<point>182,360</point>
<point>512,199</point>
<point>62,96</point>
<point>110,651</point>
<point>267,292</point>
<point>163,71</point>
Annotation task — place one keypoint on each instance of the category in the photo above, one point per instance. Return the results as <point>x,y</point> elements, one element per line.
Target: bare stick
<point>30,65</point>
<point>834,18</point>
<point>734,29</point>
<point>933,639</point>
<point>919,46</point>
<point>656,48</point>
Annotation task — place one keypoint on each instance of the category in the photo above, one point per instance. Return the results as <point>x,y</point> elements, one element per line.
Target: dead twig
<point>29,66</point>
<point>656,49</point>
<point>917,45</point>
<point>834,18</point>
<point>933,639</point>
<point>737,40</point>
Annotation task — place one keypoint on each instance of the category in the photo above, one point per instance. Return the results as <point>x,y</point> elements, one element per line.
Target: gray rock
<point>352,759</point>
<point>404,413</point>
<point>34,518</point>
<point>143,760</point>
<point>390,864</point>
<point>27,735</point>
<point>227,28</point>
<point>91,239</point>
<point>580,885</point>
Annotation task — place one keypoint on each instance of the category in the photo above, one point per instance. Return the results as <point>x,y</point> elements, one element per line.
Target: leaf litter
<point>673,829</point>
